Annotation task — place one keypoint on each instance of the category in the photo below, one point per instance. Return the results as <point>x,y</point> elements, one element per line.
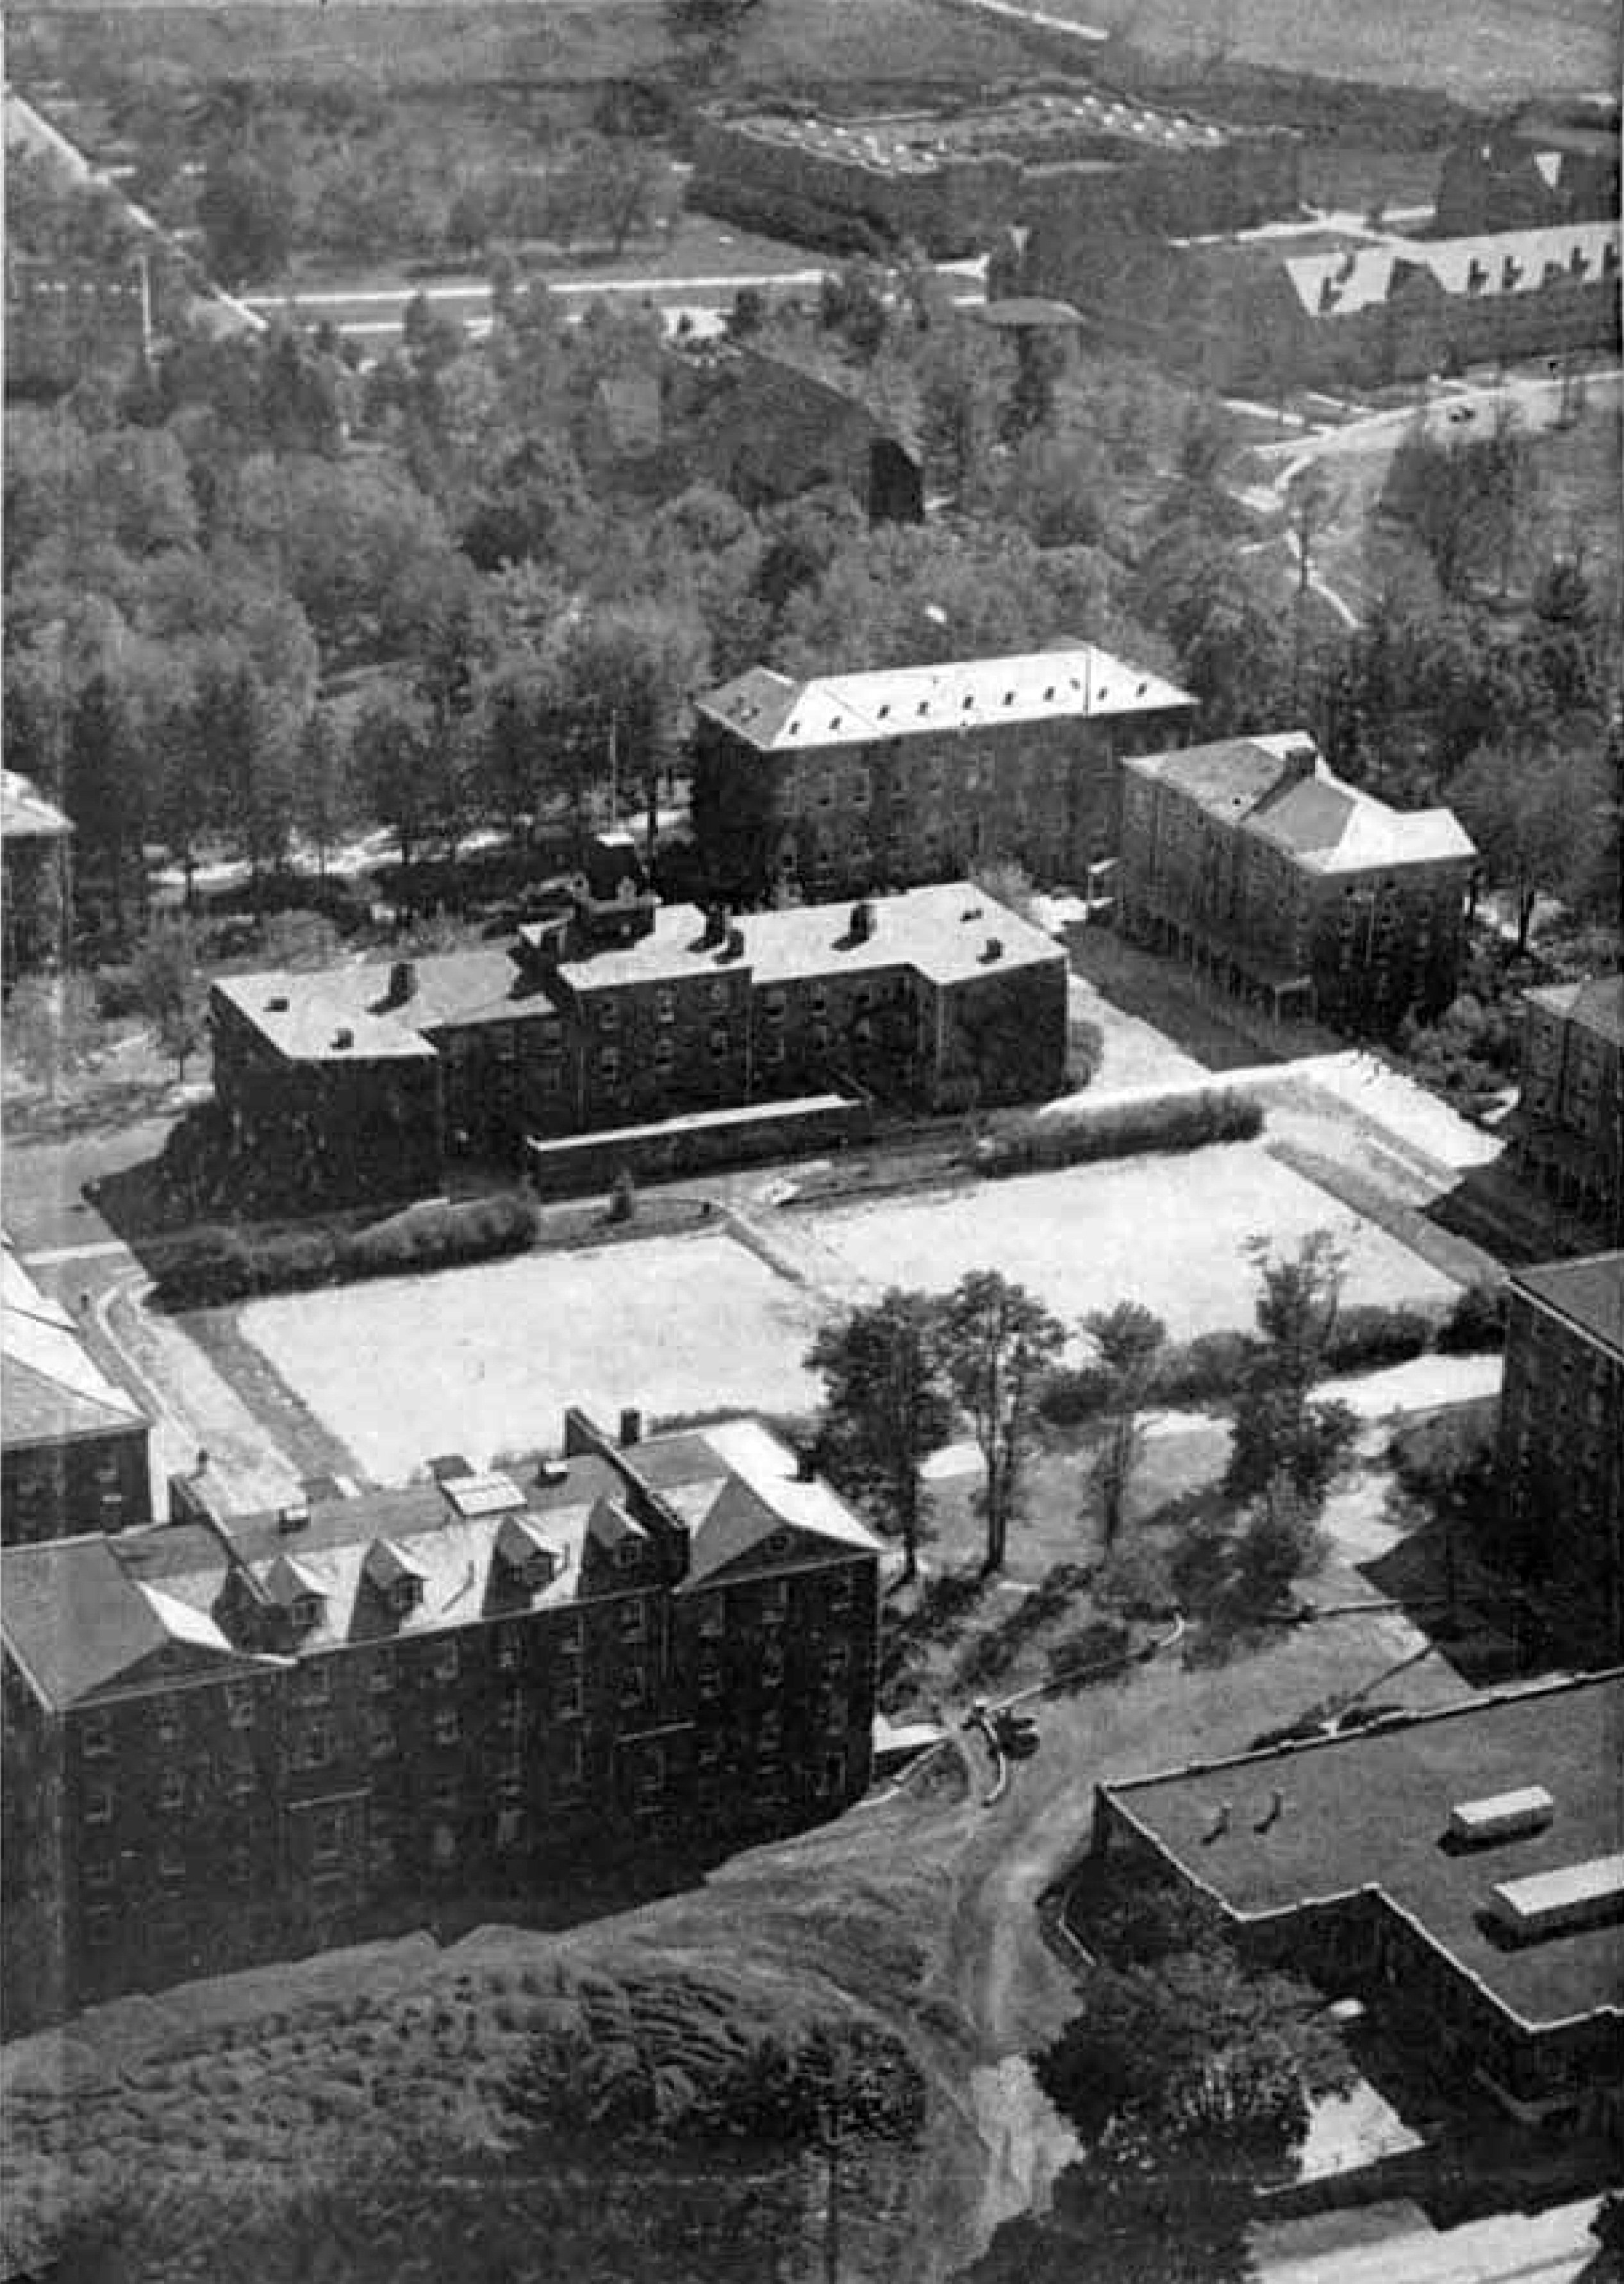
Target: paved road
<point>1397,2244</point>
<point>374,312</point>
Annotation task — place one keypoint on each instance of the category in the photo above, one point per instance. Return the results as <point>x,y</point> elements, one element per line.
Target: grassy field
<point>1487,52</point>
<point>482,1360</point>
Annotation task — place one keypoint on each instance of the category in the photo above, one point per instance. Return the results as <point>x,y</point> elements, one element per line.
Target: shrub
<point>1212,1366</point>
<point>1073,1395</point>
<point>214,1264</point>
<point>437,1236</point>
<point>293,1261</point>
<point>1368,1335</point>
<point>1122,1129</point>
<point>1102,1642</point>
<point>1135,1580</point>
<point>118,993</point>
<point>1476,1324</point>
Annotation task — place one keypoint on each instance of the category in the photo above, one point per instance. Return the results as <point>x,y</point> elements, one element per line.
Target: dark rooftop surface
<point>1369,1810</point>
<point>1590,1293</point>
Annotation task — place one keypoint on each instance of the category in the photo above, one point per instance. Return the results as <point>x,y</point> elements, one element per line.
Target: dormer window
<point>626,1554</point>
<point>405,1595</point>
<point>305,1612</point>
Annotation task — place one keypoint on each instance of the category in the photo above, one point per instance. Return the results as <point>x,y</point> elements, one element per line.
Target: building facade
<point>1343,1858</point>
<point>72,1443</point>
<point>1560,1464</point>
<point>1251,861</point>
<point>946,181</point>
<point>36,877</point>
<point>1569,1132</point>
<point>859,782</point>
<point>361,1082</point>
<point>252,1737</point>
<point>1277,310</point>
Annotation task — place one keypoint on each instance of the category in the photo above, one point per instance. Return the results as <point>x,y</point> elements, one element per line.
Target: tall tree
<point>1535,812</point>
<point>1129,1341</point>
<point>1286,1446</point>
<point>400,773</point>
<point>105,791</point>
<point>171,987</point>
<point>245,749</point>
<point>324,783</point>
<point>998,1341</point>
<point>887,1408</point>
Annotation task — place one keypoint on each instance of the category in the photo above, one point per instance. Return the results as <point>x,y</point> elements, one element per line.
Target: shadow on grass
<point>1482,1623</point>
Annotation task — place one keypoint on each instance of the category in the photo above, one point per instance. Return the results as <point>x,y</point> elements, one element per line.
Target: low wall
<point>720,1138</point>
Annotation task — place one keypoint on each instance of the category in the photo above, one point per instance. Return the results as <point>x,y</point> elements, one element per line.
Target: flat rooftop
<point>919,142</point>
<point>1588,1293</point>
<point>1079,683</point>
<point>1368,1812</point>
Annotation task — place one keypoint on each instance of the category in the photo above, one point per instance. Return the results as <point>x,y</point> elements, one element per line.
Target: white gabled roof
<point>1082,683</point>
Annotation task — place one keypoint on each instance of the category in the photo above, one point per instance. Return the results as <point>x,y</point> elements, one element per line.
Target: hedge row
<point>1121,1129</point>
<point>1214,1365</point>
<point>219,1264</point>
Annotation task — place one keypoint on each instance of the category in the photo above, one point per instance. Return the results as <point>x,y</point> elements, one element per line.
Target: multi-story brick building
<point>1569,1135</point>
<point>857,781</point>
<point>947,180</point>
<point>72,1443</point>
<point>1278,309</point>
<point>1561,1473</point>
<point>1249,859</point>
<point>359,1081</point>
<point>247,1737</point>
<point>1465,1865</point>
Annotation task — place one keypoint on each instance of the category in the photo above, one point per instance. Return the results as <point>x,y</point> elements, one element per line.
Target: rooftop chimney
<point>294,1516</point>
<point>806,1463</point>
<point>863,921</point>
<point>631,1427</point>
<point>715,926</point>
<point>403,982</point>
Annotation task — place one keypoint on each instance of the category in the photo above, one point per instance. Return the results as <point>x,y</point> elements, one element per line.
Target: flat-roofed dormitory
<point>624,1011</point>
<point>1252,861</point>
<point>1412,1863</point>
<point>1560,1463</point>
<point>250,1736</point>
<point>846,782</point>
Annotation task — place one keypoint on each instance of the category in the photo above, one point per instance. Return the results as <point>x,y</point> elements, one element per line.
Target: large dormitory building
<point>363,1081</point>
<point>233,1737</point>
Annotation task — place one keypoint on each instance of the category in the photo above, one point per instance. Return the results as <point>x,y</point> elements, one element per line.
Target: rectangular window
<point>713,1620</point>
<point>447,1662</point>
<point>664,1005</point>
<point>380,1736</point>
<point>95,1736</point>
<point>314,1749</point>
<point>99,1873</point>
<point>566,1697</point>
<point>510,1649</point>
<point>447,1725</point>
<point>609,1016</point>
<point>171,1866</point>
<point>719,1040</point>
<point>633,1624</point>
<point>172,1790</point>
<point>609,1064</point>
<point>166,1724</point>
<point>380,1675</point>
<point>315,1685</point>
<point>634,1686</point>
<point>665,1054</point>
<point>324,1840</point>
<point>446,1793</point>
<point>239,1704</point>
<point>570,1768</point>
<point>241,1786</point>
<point>511,1712</point>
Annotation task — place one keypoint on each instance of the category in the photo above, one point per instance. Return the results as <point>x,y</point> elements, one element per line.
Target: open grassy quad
<point>1168,1232</point>
<point>483,1360</point>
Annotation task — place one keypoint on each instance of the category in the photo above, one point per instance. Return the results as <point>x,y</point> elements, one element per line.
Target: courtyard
<point>484,1360</point>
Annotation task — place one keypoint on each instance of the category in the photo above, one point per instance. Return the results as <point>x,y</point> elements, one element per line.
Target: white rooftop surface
<point>1081,683</point>
<point>36,1330</point>
<point>754,1454</point>
<point>1594,1881</point>
<point>1363,276</point>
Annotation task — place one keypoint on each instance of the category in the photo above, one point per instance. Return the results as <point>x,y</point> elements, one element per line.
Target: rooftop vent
<point>344,1037</point>
<point>863,921</point>
<point>278,1005</point>
<point>1552,1903</point>
<point>993,952</point>
<point>294,1516</point>
<point>403,982</point>
<point>469,1496</point>
<point>550,1471</point>
<point>1502,1816</point>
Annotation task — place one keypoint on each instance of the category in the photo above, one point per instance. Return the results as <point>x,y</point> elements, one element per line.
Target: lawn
<point>483,1360</point>
<point>1168,1232</point>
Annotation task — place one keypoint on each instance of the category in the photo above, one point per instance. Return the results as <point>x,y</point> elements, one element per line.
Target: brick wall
<point>96,1483</point>
<point>1560,1466</point>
